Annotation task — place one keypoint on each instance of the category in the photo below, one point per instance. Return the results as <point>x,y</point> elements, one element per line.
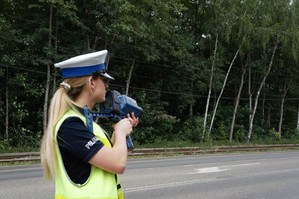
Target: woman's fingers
<point>133,120</point>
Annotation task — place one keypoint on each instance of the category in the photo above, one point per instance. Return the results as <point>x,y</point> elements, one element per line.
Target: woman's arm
<point>114,159</point>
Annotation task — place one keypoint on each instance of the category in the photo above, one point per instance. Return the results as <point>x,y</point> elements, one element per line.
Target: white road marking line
<point>240,165</point>
<point>167,185</point>
<point>208,170</point>
<point>220,168</point>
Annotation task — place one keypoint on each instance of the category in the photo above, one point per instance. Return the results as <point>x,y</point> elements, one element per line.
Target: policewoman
<point>83,161</point>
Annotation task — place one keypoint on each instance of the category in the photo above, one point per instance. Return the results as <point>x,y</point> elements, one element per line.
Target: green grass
<point>23,163</point>
<point>162,144</point>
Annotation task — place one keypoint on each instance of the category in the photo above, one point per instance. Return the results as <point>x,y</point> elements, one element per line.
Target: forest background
<point>204,71</point>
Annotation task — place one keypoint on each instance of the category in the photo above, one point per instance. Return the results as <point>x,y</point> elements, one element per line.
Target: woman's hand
<point>133,120</point>
<point>114,159</point>
<point>126,125</point>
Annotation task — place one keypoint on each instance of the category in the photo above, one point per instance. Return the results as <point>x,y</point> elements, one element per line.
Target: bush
<point>4,145</point>
<point>26,139</point>
<point>191,130</point>
<point>240,134</point>
<point>221,133</point>
<point>291,133</point>
<point>159,128</point>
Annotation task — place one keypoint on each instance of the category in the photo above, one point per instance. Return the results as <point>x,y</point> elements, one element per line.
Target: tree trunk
<point>129,77</point>
<point>237,101</point>
<point>95,42</point>
<point>259,91</point>
<point>223,86</point>
<point>48,73</point>
<point>249,93</point>
<point>88,42</point>
<point>263,106</point>
<point>54,68</point>
<point>281,115</point>
<point>285,90</point>
<point>210,89</point>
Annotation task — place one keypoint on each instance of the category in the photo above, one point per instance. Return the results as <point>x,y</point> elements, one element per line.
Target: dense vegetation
<point>203,71</point>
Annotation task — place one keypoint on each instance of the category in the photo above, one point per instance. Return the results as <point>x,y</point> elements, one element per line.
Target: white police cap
<point>84,65</point>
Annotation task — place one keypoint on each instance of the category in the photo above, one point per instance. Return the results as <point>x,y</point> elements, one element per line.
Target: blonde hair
<point>62,100</point>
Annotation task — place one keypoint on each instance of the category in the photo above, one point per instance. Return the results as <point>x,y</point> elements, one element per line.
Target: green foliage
<point>172,43</point>
<point>191,130</point>
<point>291,134</point>
<point>155,124</point>
<point>5,145</point>
<point>240,133</point>
<point>221,132</point>
<point>275,134</point>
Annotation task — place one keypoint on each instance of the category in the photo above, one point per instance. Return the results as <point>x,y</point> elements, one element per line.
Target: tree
<point>274,31</point>
<point>259,91</point>
<point>244,68</point>
<point>184,61</point>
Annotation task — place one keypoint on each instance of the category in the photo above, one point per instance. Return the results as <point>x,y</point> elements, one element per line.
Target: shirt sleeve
<point>74,137</point>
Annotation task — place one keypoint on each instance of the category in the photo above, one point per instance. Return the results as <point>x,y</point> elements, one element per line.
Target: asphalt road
<point>273,175</point>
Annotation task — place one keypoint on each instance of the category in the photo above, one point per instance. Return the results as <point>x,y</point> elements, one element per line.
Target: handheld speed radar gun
<point>116,107</point>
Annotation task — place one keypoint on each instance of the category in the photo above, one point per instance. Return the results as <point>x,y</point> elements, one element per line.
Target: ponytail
<point>62,101</point>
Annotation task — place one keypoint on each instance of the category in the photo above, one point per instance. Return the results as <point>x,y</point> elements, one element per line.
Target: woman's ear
<point>91,84</point>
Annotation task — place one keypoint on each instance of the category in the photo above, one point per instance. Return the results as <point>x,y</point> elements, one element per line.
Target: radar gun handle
<point>130,144</point>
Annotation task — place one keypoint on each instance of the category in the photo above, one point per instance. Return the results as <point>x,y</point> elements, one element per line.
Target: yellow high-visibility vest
<point>101,184</point>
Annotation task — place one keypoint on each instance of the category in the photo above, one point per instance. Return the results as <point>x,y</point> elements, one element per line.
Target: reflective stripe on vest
<point>100,184</point>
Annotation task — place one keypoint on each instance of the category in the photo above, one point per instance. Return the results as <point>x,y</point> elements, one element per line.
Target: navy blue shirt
<point>77,146</point>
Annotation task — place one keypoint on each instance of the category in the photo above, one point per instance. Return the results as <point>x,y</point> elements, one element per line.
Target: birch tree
<point>276,32</point>
<point>210,88</point>
<point>245,26</point>
<point>232,17</point>
<point>244,68</point>
<point>251,119</point>
<point>129,77</point>
<point>285,90</point>
<point>219,28</point>
<point>223,87</point>
<point>48,79</point>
